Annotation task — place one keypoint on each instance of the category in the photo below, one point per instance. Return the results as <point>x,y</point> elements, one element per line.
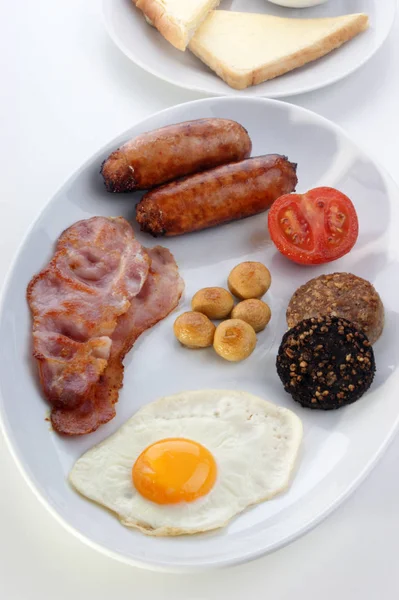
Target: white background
<point>65,91</point>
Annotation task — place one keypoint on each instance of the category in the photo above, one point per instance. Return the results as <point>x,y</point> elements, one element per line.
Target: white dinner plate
<point>339,448</point>
<point>148,49</point>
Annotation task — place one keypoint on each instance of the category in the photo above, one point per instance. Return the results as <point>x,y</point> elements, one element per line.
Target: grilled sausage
<point>165,154</point>
<point>217,196</point>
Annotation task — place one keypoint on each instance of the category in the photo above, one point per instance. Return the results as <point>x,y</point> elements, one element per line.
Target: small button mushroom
<point>194,330</point>
<point>234,340</point>
<point>214,302</point>
<point>254,312</point>
<point>249,280</point>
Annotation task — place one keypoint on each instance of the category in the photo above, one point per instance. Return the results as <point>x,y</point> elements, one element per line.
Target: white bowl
<point>298,3</point>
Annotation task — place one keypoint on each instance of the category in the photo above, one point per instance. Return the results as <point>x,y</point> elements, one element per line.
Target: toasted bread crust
<point>172,31</point>
<point>240,81</point>
<point>175,32</point>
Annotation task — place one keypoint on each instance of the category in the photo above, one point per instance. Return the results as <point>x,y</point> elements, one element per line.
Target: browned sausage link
<point>159,156</point>
<point>217,196</point>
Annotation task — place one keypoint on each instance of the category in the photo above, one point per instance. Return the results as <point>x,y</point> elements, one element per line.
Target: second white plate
<point>148,49</point>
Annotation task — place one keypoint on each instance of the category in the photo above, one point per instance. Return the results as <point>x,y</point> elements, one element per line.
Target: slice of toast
<point>176,20</point>
<point>246,49</point>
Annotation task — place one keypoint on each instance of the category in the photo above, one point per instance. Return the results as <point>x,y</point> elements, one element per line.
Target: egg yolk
<point>174,470</point>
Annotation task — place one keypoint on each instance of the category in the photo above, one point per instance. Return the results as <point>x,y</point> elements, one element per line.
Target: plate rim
<point>159,565</point>
<point>105,6</point>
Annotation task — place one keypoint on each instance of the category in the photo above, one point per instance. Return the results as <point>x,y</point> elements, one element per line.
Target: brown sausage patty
<point>340,295</point>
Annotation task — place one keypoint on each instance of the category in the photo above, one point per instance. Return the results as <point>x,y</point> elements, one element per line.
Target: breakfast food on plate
<point>214,302</point>
<point>234,340</point>
<point>100,291</point>
<point>194,330</point>
<point>216,196</point>
<point>254,312</point>
<point>76,300</point>
<point>314,228</point>
<point>159,296</point>
<point>249,280</point>
<point>166,472</point>
<point>325,362</point>
<point>246,48</point>
<point>172,455</point>
<point>156,157</point>
<point>339,295</point>
<point>176,20</point>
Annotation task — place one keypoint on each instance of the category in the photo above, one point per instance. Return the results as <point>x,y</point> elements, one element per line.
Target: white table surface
<point>65,91</point>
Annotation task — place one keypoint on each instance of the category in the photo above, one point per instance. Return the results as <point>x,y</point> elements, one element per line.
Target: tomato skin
<point>313,228</point>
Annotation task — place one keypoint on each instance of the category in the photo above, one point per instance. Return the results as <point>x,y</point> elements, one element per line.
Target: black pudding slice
<point>325,363</point>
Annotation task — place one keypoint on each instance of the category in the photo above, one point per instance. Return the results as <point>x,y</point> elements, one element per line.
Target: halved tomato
<point>314,228</point>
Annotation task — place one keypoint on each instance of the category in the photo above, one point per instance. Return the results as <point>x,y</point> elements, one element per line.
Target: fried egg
<point>190,462</point>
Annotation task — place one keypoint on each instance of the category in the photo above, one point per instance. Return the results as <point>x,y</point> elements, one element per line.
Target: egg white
<point>254,443</point>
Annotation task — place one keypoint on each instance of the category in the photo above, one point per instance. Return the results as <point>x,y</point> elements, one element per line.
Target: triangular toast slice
<point>246,49</point>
